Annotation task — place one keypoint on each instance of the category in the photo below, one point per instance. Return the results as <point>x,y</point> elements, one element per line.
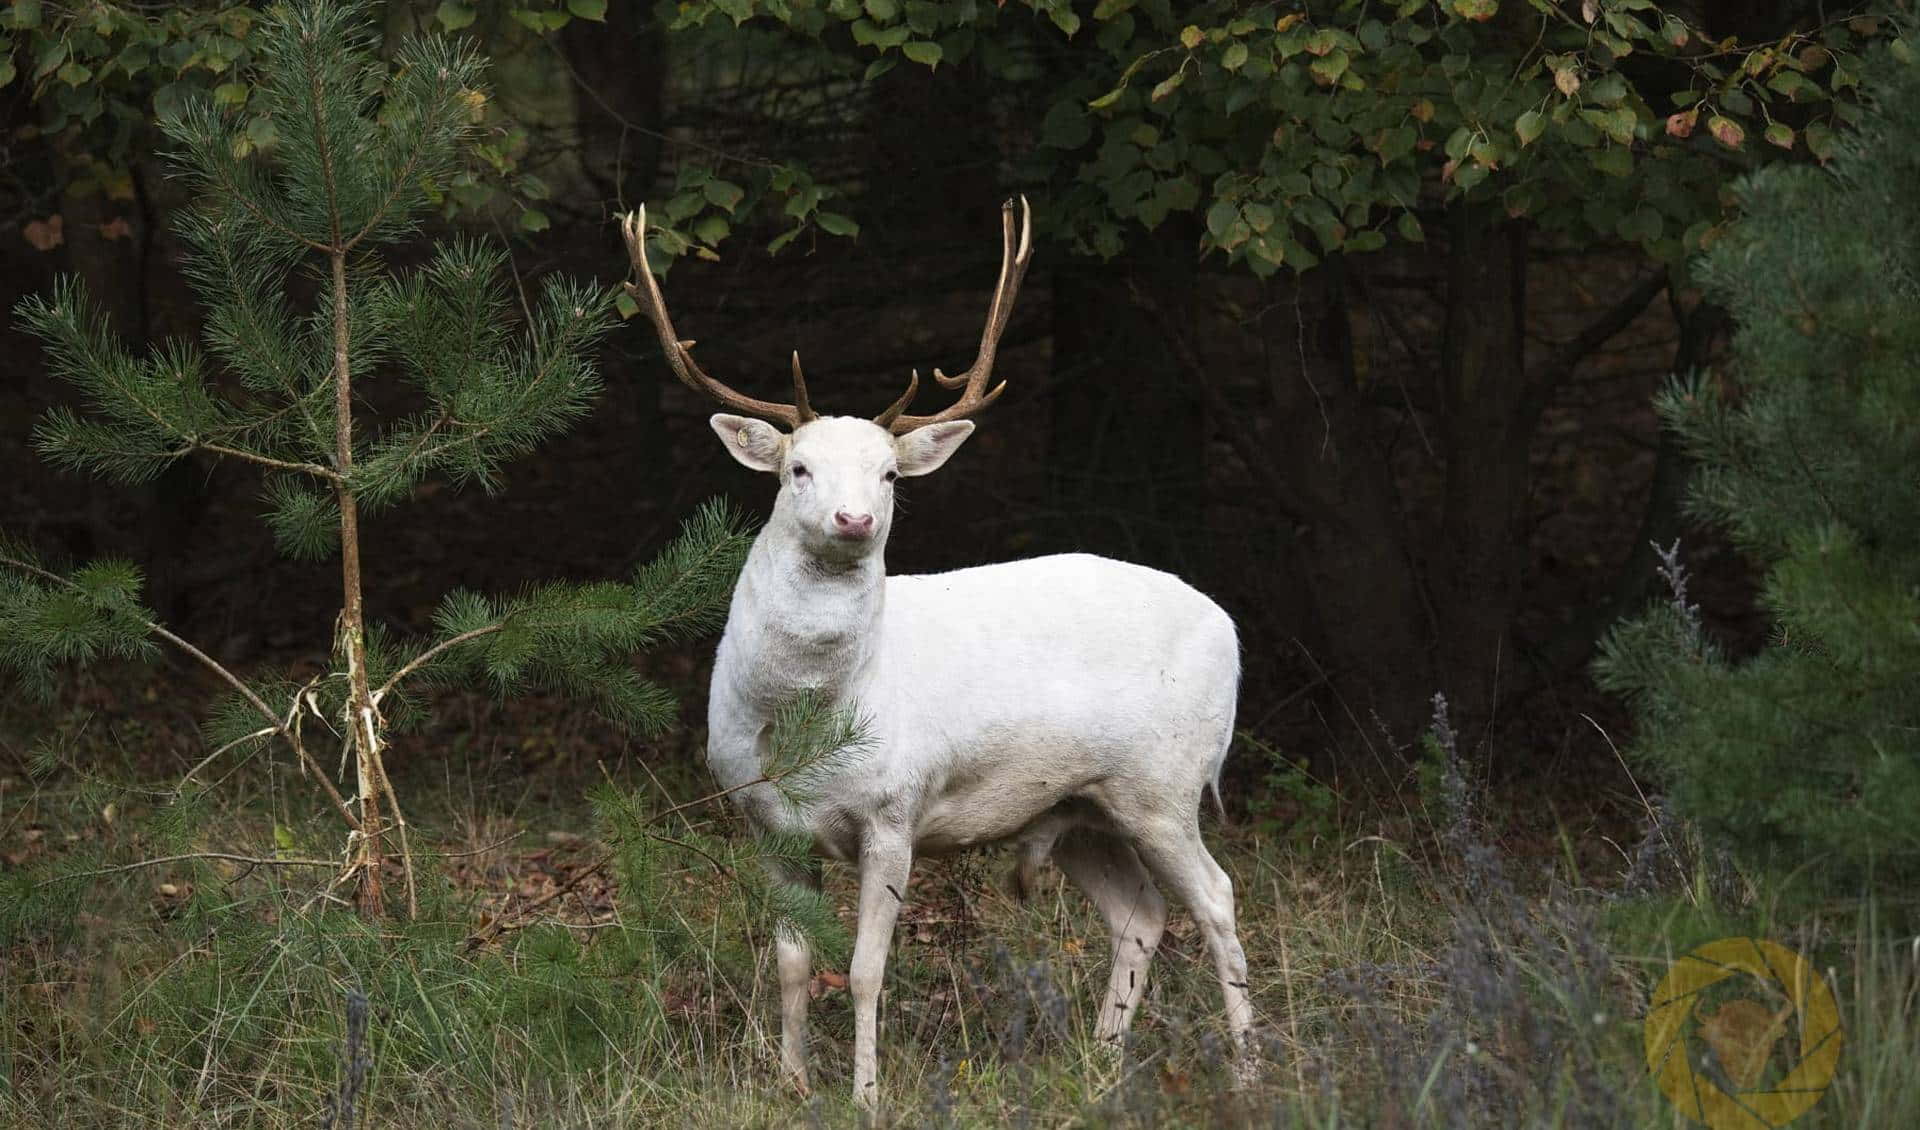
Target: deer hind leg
<point>1177,857</point>
<point>1108,870</point>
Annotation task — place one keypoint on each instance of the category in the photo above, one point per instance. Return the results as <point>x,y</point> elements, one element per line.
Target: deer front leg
<point>886,859</point>
<point>795,960</point>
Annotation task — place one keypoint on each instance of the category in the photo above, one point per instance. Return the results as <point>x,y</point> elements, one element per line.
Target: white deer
<point>1077,705</point>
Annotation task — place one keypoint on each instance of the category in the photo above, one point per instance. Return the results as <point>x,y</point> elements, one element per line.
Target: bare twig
<point>501,925</point>
<point>228,857</point>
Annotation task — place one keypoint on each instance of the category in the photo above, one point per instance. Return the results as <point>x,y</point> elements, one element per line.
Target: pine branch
<point>280,726</point>
<point>314,469</point>
<point>429,655</point>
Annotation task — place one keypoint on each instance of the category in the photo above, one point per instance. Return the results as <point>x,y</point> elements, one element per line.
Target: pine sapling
<point>343,168</point>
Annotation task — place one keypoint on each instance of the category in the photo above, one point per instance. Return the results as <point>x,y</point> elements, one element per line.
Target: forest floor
<point>1447,959</point>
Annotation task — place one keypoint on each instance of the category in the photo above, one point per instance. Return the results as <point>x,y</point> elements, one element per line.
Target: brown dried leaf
<point>47,234</point>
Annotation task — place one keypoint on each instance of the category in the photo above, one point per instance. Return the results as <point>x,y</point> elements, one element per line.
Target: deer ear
<point>758,445</point>
<point>923,450</point>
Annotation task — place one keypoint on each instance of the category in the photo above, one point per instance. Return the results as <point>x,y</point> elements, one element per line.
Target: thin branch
<point>499,843</point>
<point>1560,364</point>
<point>501,925</point>
<point>1240,437</point>
<point>763,779</point>
<point>232,680</point>
<point>233,190</point>
<point>263,732</point>
<point>265,461</point>
<point>428,656</point>
<point>229,857</point>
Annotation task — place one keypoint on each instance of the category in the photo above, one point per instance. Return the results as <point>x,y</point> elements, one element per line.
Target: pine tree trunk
<point>362,722</point>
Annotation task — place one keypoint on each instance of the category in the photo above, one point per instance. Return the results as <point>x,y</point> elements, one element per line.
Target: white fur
<point>1077,704</point>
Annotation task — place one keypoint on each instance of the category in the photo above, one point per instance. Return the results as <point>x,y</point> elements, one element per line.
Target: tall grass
<point>1398,985</point>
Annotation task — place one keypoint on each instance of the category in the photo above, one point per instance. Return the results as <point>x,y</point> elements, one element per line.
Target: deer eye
<point>889,476</point>
<point>799,471</point>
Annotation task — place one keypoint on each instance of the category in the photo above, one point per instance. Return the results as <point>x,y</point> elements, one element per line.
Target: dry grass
<point>1399,984</point>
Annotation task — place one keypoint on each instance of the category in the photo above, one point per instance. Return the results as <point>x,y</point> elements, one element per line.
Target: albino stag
<point>1076,705</point>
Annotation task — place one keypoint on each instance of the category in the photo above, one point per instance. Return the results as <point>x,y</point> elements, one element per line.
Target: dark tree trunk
<point>1127,450</point>
<point>1487,417</point>
<point>1332,449</point>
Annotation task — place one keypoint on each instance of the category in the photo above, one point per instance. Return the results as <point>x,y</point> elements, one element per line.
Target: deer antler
<point>680,353</point>
<point>1014,256</point>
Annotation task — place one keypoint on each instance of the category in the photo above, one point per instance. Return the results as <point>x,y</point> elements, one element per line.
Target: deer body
<point>1079,705</point>
<point>993,696</point>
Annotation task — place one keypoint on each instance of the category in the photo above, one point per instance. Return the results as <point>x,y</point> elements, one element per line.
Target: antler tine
<point>886,419</point>
<point>633,228</point>
<point>1014,257</point>
<point>803,411</point>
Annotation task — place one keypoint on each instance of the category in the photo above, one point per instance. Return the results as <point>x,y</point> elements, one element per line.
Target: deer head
<point>837,472</point>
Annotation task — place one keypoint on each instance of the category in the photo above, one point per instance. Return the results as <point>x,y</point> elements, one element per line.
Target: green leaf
<point>923,52</point>
<point>50,58</point>
<point>1614,160</point>
<point>283,837</point>
<point>1234,57</point>
<point>1167,86</point>
<point>1780,134</point>
<point>624,304</point>
<point>1607,89</point>
<point>1107,99</point>
<point>1065,19</point>
<point>1332,65</point>
<point>1477,10</point>
<point>879,67</point>
<point>1409,227</point>
<point>1259,217</point>
<point>262,132</point>
<point>533,220</point>
<point>23,15</point>
<point>779,241</point>
<point>453,16</point>
<point>835,224</point>
<point>1221,218</point>
<point>1819,140</point>
<point>594,10</point>
<point>1529,127</point>
<point>883,11</point>
<point>723,194</point>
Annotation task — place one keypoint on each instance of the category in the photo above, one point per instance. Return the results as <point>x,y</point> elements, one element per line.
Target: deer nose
<point>852,525</point>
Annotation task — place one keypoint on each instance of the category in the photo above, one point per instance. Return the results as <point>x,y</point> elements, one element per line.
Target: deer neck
<point>806,623</point>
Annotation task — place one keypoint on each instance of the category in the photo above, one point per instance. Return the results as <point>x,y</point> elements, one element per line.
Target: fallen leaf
<point>116,228</point>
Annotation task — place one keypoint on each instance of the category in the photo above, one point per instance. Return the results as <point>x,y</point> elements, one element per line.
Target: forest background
<point>1353,315</point>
